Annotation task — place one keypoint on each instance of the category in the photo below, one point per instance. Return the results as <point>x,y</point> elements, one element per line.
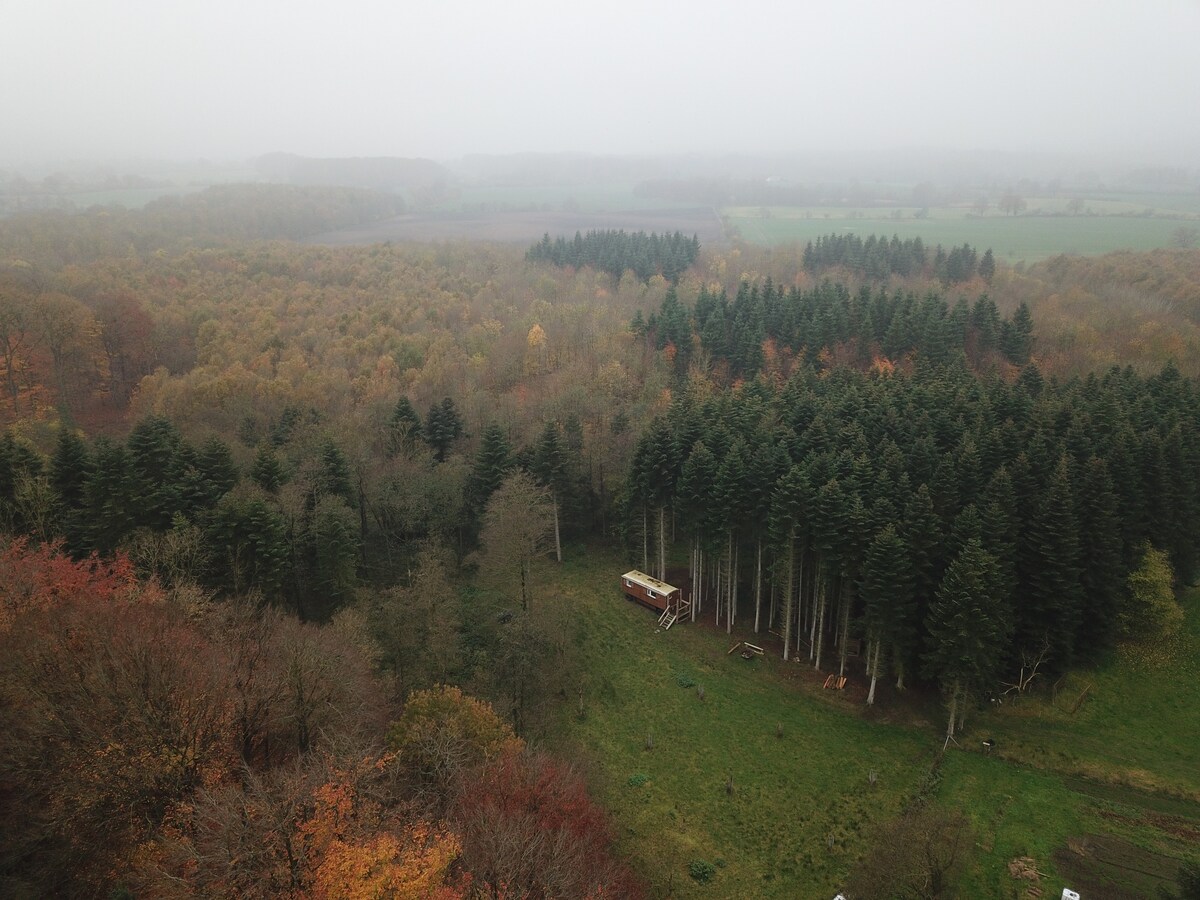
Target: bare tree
<point>913,857</point>
<point>518,525</point>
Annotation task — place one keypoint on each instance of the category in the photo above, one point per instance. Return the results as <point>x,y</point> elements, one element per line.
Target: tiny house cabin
<point>649,591</point>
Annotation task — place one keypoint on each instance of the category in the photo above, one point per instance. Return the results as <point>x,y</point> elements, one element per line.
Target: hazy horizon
<point>136,80</point>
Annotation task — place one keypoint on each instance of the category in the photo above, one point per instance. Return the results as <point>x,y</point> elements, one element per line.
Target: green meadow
<point>752,767</point>
<point>1012,238</point>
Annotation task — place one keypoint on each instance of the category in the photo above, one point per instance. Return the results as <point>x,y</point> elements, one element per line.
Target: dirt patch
<point>1171,825</point>
<point>1024,869</point>
<point>1101,865</point>
<point>1166,804</point>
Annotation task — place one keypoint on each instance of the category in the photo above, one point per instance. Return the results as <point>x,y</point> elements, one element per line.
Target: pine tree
<point>211,475</point>
<point>1099,558</point>
<point>333,474</point>
<point>1051,608</point>
<point>967,631</point>
<point>886,592</point>
<point>110,498</point>
<point>790,509</point>
<point>987,266</point>
<point>267,471</point>
<point>550,470</point>
<point>333,553</point>
<point>493,461</point>
<point>404,428</point>
<point>922,532</point>
<point>69,469</point>
<point>1016,336</point>
<point>248,545</point>
<point>156,466</point>
<point>694,492</point>
<point>443,426</point>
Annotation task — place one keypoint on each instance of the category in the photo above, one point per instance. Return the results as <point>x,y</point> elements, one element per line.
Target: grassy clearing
<point>802,807</point>
<point>792,796</point>
<point>1012,238</point>
<point>1138,724</point>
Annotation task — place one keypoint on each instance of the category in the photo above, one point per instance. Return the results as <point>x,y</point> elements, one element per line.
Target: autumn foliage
<point>207,749</point>
<point>529,829</point>
<point>41,577</point>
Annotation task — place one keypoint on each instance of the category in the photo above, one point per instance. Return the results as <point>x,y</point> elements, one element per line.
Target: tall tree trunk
<point>953,712</point>
<point>823,600</point>
<point>645,539</point>
<point>719,585</point>
<point>874,672</point>
<point>812,628</point>
<point>695,578</point>
<point>730,582</point>
<point>758,588</point>
<point>662,543</point>
<point>787,597</point>
<point>847,602</point>
<point>557,538</point>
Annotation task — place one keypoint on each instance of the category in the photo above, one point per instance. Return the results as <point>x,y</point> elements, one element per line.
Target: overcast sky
<point>230,79</point>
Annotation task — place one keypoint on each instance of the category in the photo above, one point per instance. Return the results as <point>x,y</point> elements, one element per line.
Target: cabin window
<point>651,593</point>
<point>627,583</point>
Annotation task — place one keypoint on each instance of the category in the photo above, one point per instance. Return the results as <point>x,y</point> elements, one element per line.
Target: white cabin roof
<point>649,582</point>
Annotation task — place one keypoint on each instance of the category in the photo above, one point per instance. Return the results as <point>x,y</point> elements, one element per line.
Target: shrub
<point>702,870</point>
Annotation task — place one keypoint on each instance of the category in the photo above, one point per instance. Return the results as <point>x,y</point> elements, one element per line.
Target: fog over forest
<point>222,80</point>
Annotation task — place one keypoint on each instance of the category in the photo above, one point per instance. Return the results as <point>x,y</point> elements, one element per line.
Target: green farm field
<point>1086,795</point>
<point>1012,238</point>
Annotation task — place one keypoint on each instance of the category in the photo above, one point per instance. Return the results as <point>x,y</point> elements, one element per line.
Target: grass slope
<point>791,796</point>
<point>802,809</point>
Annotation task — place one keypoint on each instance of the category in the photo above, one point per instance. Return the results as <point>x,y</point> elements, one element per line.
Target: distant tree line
<point>615,252</point>
<point>769,326</point>
<point>217,216</point>
<point>879,258</point>
<point>719,191</point>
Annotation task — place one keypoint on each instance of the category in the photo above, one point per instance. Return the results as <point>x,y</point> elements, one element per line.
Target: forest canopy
<point>269,461</point>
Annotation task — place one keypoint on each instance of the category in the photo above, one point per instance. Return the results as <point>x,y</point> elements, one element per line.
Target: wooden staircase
<point>674,613</point>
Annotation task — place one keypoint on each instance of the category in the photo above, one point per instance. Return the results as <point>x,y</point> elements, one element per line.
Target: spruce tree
<point>1052,601</point>
<point>550,469</point>
<point>69,469</point>
<point>987,266</point>
<point>267,471</point>
<point>404,428</point>
<point>1099,559</point>
<point>493,461</point>
<point>886,592</point>
<point>443,426</point>
<point>156,466</point>
<point>967,629</point>
<point>110,498</point>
